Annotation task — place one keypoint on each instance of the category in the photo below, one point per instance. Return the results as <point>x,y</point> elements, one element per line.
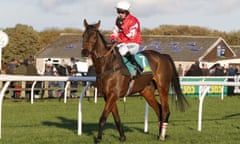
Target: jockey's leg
<point>132,60</point>
<point>128,51</point>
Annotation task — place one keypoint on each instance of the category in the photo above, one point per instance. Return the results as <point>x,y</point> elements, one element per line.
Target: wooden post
<point>45,89</point>
<point>23,92</point>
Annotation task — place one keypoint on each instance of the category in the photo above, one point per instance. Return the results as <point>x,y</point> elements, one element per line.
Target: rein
<point>113,68</point>
<point>107,53</point>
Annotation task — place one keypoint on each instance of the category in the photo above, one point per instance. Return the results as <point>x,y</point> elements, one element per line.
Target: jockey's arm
<point>114,34</point>
<point>130,31</point>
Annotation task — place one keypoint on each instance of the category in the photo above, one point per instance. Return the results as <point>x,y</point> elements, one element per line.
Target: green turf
<point>53,122</point>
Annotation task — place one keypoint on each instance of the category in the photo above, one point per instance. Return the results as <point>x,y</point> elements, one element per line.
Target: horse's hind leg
<point>163,93</point>
<point>118,123</point>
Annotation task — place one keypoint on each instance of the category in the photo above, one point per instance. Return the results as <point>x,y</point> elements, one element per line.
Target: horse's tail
<point>181,101</point>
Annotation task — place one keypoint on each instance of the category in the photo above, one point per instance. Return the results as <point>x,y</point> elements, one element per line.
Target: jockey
<point>127,33</point>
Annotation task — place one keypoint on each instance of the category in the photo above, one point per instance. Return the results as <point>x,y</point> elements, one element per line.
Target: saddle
<point>129,69</point>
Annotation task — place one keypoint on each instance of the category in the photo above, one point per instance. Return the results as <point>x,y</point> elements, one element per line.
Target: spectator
<point>180,70</point>
<point>73,72</point>
<point>194,70</point>
<point>60,70</point>
<point>20,69</point>
<point>205,70</point>
<point>49,72</point>
<point>217,70</point>
<point>73,65</point>
<point>237,70</point>
<point>11,65</point>
<point>230,72</point>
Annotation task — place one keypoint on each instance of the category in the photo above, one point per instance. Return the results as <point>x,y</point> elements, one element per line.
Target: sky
<point>222,15</point>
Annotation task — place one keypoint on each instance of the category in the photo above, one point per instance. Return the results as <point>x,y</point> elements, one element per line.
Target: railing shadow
<point>236,115</point>
<point>87,128</point>
<point>90,129</point>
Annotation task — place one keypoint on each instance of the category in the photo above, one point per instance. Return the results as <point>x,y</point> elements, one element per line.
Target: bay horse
<point>113,84</point>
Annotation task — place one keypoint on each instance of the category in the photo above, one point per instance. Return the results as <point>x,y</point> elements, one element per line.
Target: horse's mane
<point>93,26</point>
<point>103,38</point>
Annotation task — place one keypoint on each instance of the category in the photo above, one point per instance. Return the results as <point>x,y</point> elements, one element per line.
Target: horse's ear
<point>85,23</point>
<point>98,24</point>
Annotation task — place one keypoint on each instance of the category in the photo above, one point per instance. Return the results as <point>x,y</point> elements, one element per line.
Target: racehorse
<point>113,84</point>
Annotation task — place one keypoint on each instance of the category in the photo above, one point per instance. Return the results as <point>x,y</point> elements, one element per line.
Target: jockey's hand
<point>114,41</point>
<point>119,22</point>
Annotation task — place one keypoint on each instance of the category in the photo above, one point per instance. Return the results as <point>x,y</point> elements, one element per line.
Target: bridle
<point>93,44</point>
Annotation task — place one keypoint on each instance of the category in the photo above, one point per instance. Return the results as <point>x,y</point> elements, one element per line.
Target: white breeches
<point>129,47</point>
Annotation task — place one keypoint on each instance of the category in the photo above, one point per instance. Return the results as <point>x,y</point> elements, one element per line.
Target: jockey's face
<point>122,13</point>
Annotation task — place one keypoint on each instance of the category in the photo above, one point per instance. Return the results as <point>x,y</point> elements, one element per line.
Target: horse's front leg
<point>110,102</point>
<point>118,123</point>
<point>101,124</point>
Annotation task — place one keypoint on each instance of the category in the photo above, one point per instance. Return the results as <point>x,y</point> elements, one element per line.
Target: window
<point>221,50</point>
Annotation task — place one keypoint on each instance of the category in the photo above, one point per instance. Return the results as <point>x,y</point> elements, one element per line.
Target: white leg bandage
<point>163,131</point>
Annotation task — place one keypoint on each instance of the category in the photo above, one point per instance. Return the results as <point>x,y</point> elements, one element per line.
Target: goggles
<point>120,11</point>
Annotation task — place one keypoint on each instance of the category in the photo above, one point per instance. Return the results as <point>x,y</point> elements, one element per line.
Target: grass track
<point>53,122</point>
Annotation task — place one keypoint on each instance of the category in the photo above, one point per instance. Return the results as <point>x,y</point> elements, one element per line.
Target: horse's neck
<point>101,46</point>
<point>103,62</point>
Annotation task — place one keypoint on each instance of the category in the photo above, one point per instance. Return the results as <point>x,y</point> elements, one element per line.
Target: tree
<point>23,43</point>
<point>47,36</point>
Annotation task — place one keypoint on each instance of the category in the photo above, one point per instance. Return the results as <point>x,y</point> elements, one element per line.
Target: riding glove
<point>119,23</point>
<point>114,41</point>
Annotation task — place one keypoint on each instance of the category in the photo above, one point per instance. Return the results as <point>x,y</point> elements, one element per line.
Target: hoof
<point>122,139</point>
<point>97,140</point>
<point>160,138</point>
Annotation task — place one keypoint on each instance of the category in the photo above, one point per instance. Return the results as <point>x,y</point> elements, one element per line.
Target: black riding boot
<point>133,61</point>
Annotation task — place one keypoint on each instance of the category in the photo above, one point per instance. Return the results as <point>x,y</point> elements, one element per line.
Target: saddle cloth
<point>141,60</point>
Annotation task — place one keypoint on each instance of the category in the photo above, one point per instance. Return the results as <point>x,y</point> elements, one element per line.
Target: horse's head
<point>90,37</point>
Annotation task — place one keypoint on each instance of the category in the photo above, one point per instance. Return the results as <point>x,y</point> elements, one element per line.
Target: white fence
<point>9,78</point>
<point>205,86</point>
<point>203,90</point>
